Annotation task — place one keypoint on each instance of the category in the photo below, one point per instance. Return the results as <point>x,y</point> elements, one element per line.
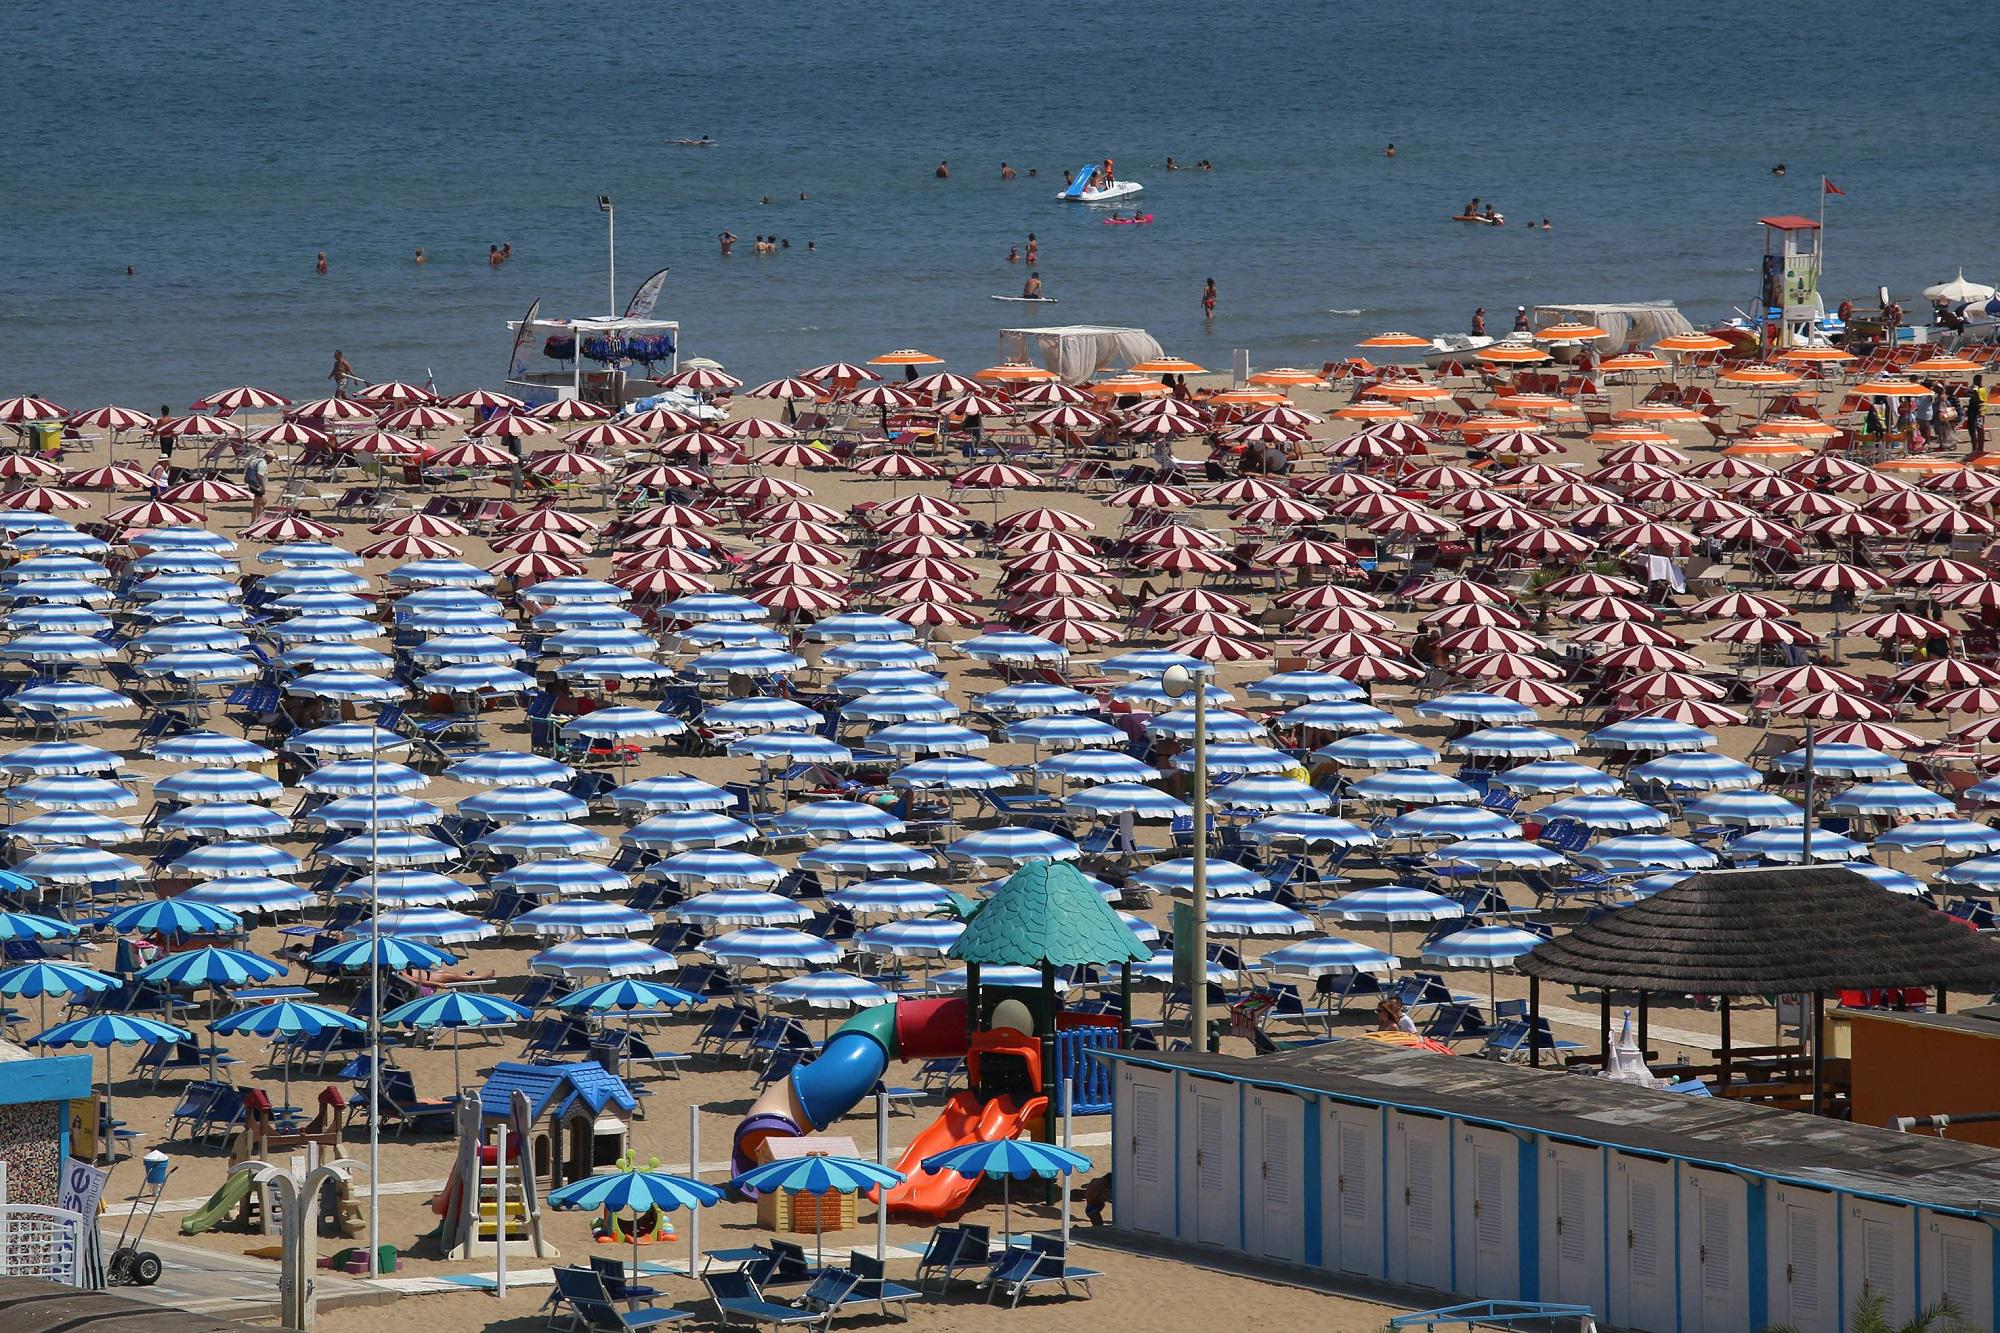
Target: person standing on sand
<point>944,171</point>
<point>256,479</point>
<point>1975,415</point>
<point>727,240</point>
<point>319,264</point>
<point>1208,300</point>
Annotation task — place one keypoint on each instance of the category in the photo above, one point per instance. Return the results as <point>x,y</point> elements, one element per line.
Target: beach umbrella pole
<point>881,1191</point>
<point>1068,1089</point>
<point>694,1173</point>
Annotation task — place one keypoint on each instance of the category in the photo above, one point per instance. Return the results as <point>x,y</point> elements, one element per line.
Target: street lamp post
<point>1177,680</point>
<point>611,239</point>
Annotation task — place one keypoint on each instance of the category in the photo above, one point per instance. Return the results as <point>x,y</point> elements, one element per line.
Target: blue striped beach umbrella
<point>308,553</point>
<point>199,665</point>
<point>680,830</point>
<point>1895,881</point>
<point>406,888</point>
<point>791,747</point>
<point>830,992</point>
<point>228,819</point>
<point>953,773</point>
<point>715,606</point>
<point>629,1191</point>
<point>623,724</point>
<point>393,955</point>
<point>1786,846</point>
<point>1646,851</point>
<point>440,574</point>
<point>838,819</point>
<point>332,655</point>
<point>746,661</point>
<point>1906,799</point>
<point>184,561</point>
<point>1497,854</point>
<point>1256,917</point>
<point>1063,732</point>
<point>1328,956</point>
<point>70,792</point>
<point>891,897</point>
<point>1744,808</point>
<point>455,620</point>
<point>60,539</point>
<point>1513,742</point>
<point>870,655</point>
<point>1158,969</point>
<point>60,757</point>
<point>376,811</point>
<point>74,619</point>
<point>1148,692</point>
<point>751,716</point>
<point>669,791</point>
<point>1226,879</point>
<point>597,640</point>
<point>601,956</point>
<point>858,627</point>
<point>877,680</point>
<point>866,856</point>
<point>1008,1160</point>
<point>182,536</point>
<point>1152,662</point>
<point>1340,716</point>
<point>1011,647</point>
<point>716,866</point>
<point>927,738</point>
<point>396,848</point>
<point>1981,872</point>
<point>73,826</point>
<point>39,980</point>
<point>79,865</point>
<point>817,1175</point>
<point>1079,767</point>
<point>1849,761</point>
<point>568,918</point>
<point>560,876</point>
<point>1959,836</point>
<point>623,995</point>
<point>1036,700</point>
<point>509,768</point>
<point>1375,750</point>
<point>69,696</point>
<point>200,611</point>
<point>729,634</point>
<point>208,748</point>
<point>1697,772</point>
<point>1270,792</point>
<point>32,926</point>
<point>313,580</point>
<point>773,947</point>
<point>250,894</point>
<point>1304,687</point>
<point>211,967</point>
<point>199,785</point>
<point>358,777</point>
<point>1239,757</point>
<point>56,647</point>
<point>912,937</point>
<point>1451,822</point>
<point>584,615</point>
<point>106,1031</point>
<point>1475,706</point>
<point>1983,793</point>
<point>236,860</point>
<point>445,598</point>
<point>186,636</point>
<point>1612,812</point>
<point>899,706</point>
<point>740,907</point>
<point>347,738</point>
<point>476,678</point>
<point>65,592</point>
<point>1313,830</point>
<point>455,1011</point>
<point>1650,733</point>
<point>511,805</point>
<point>535,839</point>
<point>1133,798</point>
<point>1393,903</point>
<point>348,686</point>
<point>1013,845</point>
<point>1487,947</point>
<point>429,925</point>
<point>1222,726</point>
<point>322,629</point>
<point>466,649</point>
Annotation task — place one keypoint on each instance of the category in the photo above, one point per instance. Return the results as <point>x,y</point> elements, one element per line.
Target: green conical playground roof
<point>1047,913</point>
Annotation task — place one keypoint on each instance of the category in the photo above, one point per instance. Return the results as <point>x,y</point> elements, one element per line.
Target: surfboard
<point>1030,300</point>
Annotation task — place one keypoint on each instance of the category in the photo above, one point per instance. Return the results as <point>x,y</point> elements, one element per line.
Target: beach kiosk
<point>610,362</point>
<point>1788,296</point>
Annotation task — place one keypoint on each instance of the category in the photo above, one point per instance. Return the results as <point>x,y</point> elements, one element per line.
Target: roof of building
<point>1047,912</point>
<point>1736,1136</point>
<point>554,1086</point>
<point>1759,932</point>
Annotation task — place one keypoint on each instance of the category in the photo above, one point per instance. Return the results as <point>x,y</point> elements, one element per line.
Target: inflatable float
<point>1497,220</point>
<point>1136,220</point>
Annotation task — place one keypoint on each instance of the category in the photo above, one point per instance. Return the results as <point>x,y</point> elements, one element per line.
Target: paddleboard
<point>691,143</point>
<point>1479,218</point>
<point>1030,300</point>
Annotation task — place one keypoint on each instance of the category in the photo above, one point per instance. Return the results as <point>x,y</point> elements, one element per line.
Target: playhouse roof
<point>554,1086</point>
<point>1047,913</point>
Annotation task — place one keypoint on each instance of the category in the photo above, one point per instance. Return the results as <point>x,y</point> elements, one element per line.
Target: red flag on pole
<point>1829,187</point>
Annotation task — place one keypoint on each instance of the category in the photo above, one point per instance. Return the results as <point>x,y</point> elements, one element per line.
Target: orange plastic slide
<point>933,1197</point>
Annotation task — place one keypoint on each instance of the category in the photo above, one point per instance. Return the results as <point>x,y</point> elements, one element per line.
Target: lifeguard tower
<point>1789,295</point>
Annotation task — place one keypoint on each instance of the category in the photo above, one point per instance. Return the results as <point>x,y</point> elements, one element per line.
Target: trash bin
<point>47,436</point>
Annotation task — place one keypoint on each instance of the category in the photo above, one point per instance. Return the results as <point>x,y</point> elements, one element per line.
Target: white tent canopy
<point>1078,351</point>
<point>1624,324</point>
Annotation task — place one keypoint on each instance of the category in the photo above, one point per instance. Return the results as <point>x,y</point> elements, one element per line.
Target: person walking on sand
<point>1208,300</point>
<point>256,479</point>
<point>340,374</point>
<point>1975,415</point>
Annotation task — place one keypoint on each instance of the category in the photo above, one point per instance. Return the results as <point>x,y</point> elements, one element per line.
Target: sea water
<point>217,147</point>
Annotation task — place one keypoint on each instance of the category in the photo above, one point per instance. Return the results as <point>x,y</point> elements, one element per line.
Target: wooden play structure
<point>802,1212</point>
<point>258,1138</point>
<point>470,1204</point>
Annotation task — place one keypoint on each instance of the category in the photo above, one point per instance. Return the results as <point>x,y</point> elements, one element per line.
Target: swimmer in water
<point>727,239</point>
<point>1006,172</point>
<point>1208,300</point>
<point>1778,170</point>
<point>319,264</point>
<point>1034,248</point>
<point>943,171</point>
<point>421,259</point>
<point>1173,165</point>
<point>1390,151</point>
<point>1032,288</point>
<point>1545,224</point>
<point>1013,254</point>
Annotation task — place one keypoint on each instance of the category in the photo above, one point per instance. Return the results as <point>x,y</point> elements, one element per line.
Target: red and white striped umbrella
<point>1278,511</point>
<point>794,454</point>
<point>292,528</point>
<point>605,435</point>
<point>543,543</point>
<point>28,465</point>
<point>931,567</point>
<point>663,583</point>
<point>1779,495</point>
<point>1351,643</point>
<point>1656,537</point>
<point>1284,414</point>
<point>1649,658</point>
<point>1976,733</point>
<point>925,614</point>
<point>1622,476</point>
<point>1571,494</point>
<point>1303,554</point>
<point>686,562</point>
<point>418,524</point>
<point>1440,478</point>
<point>1076,633</point>
<point>1874,735</point>
<point>1728,470</point>
<point>1978,699</point>
<point>385,443</point>
<point>1626,634</point>
<point>1959,481</point>
<point>1063,417</point>
<point>1044,520</point>
<point>1669,490</point>
<point>751,430</point>
<point>803,530</point>
<point>204,490</point>
<point>1477,502</point>
<point>1670,685</point>
<point>419,417</point>
<point>799,599</point>
<point>1534,475</point>
<point>1506,666</point>
<point>1467,615</point>
<point>1220,648</point>
<point>1054,393</point>
<point>1518,443</point>
<point>411,548</point>
<point>395,393</point>
<point>1807,679</point>
<point>1834,706</point>
<point>1408,434</point>
<point>838,372</point>
<point>1644,451</point>
<point>1754,633</point>
<point>43,500</point>
<point>1590,583</point>
<point>1950,525</point>
<point>1151,495</point>
<point>1207,622</point>
<point>1739,606</point>
<point>1340,620</point>
<point>1460,592</point>
<point>698,444</point>
<point>999,477</point>
<point>663,421</point>
<point>810,510</point>
<point>1052,585</point>
<point>1368,670</point>
<point>1706,511</point>
<point>1505,519</point>
<point>1244,490</point>
<point>483,400</point>
<point>921,525</point>
<point>1900,625</point>
<point>942,384</point>
<point>666,477</point>
<point>1835,576</point>
<point>1184,560</point>
<point>658,477</point>
<point>1825,467</point>
<point>1904,505</point>
<point>797,553</point>
<point>569,463</point>
<point>923,504</point>
<point>530,566</point>
<point>241,398</point>
<point>150,514</point>
<point>921,546</point>
<point>1068,608</point>
<point>1607,516</point>
<point>331,411</point>
<point>883,397</point>
<point>1020,544</point>
<point>1546,544</point>
<point>974,405</point>
<point>113,477</point>
<point>1488,639</point>
<point>510,426</point>
<point>797,390</point>
<point>1164,423</point>
<point>1364,448</point>
<point>1694,713</point>
<point>761,490</point>
<point>111,417</point>
<point>1053,562</point>
<point>1941,572</point>
<point>195,427</point>
<point>569,410</point>
<point>1606,608</point>
<point>1536,693</point>
<point>1413,523</point>
<point>1264,432</point>
<point>1179,536</point>
<point>473,453</point>
<point>1982,596</point>
<point>23,408</point>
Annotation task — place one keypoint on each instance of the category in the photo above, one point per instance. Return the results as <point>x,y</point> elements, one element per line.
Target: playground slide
<point>222,1203</point>
<point>934,1196</point>
<point>1080,182</point>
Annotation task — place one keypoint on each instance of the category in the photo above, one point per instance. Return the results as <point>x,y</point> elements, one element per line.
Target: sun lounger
<point>738,1301</point>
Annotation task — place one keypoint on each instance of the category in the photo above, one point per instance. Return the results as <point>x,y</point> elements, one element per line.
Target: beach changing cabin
<point>1354,1162</point>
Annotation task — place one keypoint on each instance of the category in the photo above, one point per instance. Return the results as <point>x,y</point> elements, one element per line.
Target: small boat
<point>1030,300</point>
<point>1454,347</point>
<point>1497,220</point>
<point>1079,190</point>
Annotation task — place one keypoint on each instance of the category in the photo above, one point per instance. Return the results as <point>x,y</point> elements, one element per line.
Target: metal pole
<point>694,1173</point>
<point>375,1005</point>
<point>1819,1052</point>
<point>1805,838</point>
<point>1068,1092</point>
<point>611,225</point>
<point>500,1217</point>
<point>1198,911</point>
<point>882,1193</point>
